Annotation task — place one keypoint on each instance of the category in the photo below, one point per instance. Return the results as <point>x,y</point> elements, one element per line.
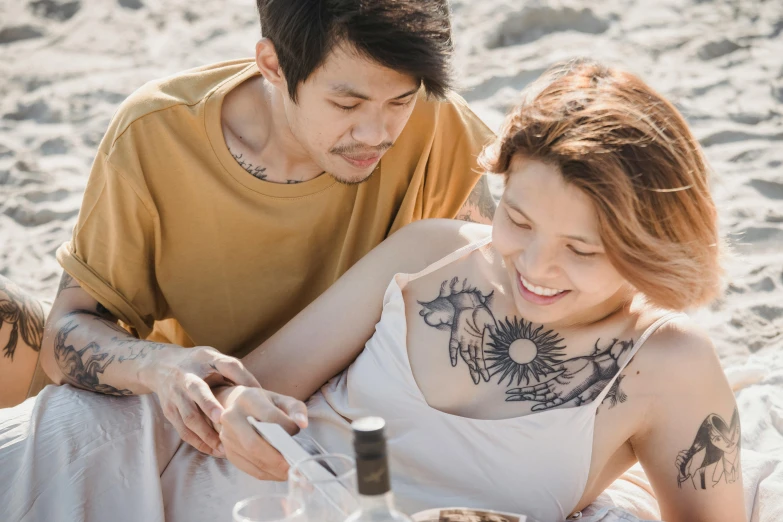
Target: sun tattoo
<point>521,352</point>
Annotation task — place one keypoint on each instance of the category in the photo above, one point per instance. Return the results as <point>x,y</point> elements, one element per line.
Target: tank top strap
<point>450,258</point>
<point>637,345</point>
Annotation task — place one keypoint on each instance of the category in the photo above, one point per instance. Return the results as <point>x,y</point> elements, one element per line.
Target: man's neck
<point>257,134</point>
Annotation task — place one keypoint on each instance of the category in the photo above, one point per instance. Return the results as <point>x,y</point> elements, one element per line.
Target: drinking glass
<point>274,507</point>
<point>326,497</point>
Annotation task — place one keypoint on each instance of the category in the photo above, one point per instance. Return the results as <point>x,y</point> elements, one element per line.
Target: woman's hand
<point>244,447</point>
<point>182,380</point>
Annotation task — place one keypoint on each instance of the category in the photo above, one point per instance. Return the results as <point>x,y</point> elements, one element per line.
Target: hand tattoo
<point>714,455</point>
<point>24,314</point>
<point>513,350</point>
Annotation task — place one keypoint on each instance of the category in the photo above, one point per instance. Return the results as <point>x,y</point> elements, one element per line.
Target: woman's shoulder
<point>680,356</point>
<point>439,237</point>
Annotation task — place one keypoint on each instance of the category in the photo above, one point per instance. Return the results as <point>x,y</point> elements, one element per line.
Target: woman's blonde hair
<point>632,153</point>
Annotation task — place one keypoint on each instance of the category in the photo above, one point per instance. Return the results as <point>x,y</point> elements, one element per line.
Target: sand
<point>65,65</point>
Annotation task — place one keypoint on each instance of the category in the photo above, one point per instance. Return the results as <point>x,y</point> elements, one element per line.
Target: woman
<point>525,366</point>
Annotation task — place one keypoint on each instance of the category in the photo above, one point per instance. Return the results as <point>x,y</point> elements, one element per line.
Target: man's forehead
<point>346,72</point>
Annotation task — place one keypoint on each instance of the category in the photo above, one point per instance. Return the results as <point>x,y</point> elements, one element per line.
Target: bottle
<point>376,500</point>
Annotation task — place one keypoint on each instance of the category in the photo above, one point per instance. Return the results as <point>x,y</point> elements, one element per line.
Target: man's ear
<point>269,65</point>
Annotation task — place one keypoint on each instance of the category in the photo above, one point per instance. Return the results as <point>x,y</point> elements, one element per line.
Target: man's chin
<point>352,178</point>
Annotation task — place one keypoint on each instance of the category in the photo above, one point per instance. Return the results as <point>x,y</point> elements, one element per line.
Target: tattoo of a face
<point>23,314</point>
<point>714,455</point>
<point>253,170</point>
<point>81,368</point>
<point>481,201</point>
<point>513,350</point>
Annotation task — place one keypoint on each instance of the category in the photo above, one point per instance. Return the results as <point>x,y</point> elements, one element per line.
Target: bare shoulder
<point>440,236</point>
<point>682,368</point>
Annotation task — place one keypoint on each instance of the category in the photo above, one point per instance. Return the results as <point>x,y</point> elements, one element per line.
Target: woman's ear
<point>269,65</point>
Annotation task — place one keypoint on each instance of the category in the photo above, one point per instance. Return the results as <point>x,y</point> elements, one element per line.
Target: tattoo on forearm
<point>138,348</point>
<point>514,350</point>
<point>479,201</point>
<point>66,281</point>
<point>23,314</point>
<point>714,455</point>
<point>253,170</point>
<point>81,368</point>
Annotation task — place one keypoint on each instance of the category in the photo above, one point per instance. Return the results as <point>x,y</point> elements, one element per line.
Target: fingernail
<point>215,415</point>
<point>300,419</point>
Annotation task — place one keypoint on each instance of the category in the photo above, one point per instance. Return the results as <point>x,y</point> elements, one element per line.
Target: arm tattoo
<point>253,170</point>
<point>66,281</point>
<point>480,202</point>
<point>714,455</point>
<point>513,350</point>
<point>25,316</point>
<point>80,371</point>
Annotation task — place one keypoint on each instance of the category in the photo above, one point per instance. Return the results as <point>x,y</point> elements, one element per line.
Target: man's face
<point>349,112</point>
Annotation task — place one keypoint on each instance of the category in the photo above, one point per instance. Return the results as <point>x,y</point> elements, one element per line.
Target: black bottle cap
<point>369,438</point>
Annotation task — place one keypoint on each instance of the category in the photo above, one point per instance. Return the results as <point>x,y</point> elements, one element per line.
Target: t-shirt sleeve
<point>112,251</point>
<point>452,169</point>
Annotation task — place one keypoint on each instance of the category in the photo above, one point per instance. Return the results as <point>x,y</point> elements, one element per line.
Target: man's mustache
<point>356,149</point>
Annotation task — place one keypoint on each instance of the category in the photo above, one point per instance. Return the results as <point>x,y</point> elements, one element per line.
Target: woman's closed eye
<point>580,253</point>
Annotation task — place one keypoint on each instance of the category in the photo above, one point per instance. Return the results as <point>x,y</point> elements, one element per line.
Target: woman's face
<point>547,232</point>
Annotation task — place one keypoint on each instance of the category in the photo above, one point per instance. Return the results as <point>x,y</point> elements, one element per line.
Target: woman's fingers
<point>241,439</point>
<point>188,436</point>
<point>292,408</point>
<point>248,467</point>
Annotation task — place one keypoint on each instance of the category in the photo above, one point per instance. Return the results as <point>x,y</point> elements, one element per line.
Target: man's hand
<point>182,379</point>
<point>245,448</point>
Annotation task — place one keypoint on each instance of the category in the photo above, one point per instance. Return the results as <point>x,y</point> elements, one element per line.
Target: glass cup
<point>275,507</point>
<point>326,497</point>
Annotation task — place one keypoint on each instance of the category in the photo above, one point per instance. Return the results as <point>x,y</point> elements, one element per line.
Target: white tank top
<point>535,465</point>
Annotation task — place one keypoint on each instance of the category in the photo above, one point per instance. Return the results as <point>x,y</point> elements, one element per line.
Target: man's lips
<point>361,161</point>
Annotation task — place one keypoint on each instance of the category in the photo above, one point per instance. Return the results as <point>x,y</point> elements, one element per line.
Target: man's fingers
<point>235,371</point>
<point>293,408</point>
<point>190,437</point>
<point>194,420</point>
<point>202,395</point>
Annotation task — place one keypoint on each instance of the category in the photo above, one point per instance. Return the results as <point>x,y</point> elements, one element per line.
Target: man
<point>224,199</point>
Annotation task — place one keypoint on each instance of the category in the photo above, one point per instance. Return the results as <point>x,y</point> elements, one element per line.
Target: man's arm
<point>480,205</point>
<point>85,347</point>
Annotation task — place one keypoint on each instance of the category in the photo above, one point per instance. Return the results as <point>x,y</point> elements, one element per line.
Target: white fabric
<point>537,464</point>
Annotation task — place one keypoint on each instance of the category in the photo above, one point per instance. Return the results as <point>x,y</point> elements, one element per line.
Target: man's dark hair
<point>409,36</point>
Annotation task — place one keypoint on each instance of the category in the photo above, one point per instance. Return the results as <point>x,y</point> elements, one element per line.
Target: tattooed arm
<point>690,445</point>
<point>84,346</point>
<point>480,206</point>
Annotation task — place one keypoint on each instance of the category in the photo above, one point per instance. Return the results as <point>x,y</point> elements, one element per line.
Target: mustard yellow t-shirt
<point>180,242</point>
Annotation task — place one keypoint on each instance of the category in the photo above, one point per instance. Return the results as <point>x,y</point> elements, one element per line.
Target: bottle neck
<point>383,503</point>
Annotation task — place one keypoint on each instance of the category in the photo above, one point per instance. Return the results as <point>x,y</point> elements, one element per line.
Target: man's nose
<point>371,132</point>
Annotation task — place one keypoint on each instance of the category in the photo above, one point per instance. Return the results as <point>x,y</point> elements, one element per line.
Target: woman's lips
<point>537,299</point>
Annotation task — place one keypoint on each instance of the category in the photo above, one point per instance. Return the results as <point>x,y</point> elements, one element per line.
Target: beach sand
<point>65,65</point>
